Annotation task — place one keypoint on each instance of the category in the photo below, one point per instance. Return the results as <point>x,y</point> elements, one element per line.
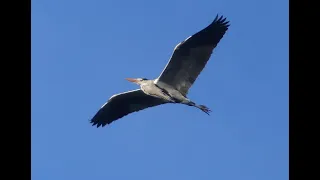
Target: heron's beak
<point>132,80</point>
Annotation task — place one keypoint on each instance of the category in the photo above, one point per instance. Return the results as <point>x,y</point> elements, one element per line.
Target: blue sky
<point>83,50</point>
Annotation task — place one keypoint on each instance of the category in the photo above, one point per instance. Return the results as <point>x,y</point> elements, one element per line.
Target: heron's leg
<point>201,107</point>
<point>204,109</point>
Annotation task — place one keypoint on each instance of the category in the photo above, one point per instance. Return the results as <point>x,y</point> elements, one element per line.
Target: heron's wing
<point>122,104</point>
<point>190,56</point>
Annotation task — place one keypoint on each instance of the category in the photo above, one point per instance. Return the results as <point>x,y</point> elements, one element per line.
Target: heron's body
<point>186,63</point>
<point>163,91</point>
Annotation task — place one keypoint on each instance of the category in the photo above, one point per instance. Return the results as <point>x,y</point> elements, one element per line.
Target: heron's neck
<point>146,83</point>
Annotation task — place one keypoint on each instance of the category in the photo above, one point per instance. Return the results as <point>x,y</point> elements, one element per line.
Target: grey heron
<point>186,63</point>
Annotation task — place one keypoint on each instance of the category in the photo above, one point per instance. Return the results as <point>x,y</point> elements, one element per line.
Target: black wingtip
<point>215,19</point>
<point>97,123</point>
<point>220,20</point>
<point>94,123</point>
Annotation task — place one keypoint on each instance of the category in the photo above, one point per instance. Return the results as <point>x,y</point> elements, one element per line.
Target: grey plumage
<point>122,104</point>
<point>190,56</point>
<point>186,63</point>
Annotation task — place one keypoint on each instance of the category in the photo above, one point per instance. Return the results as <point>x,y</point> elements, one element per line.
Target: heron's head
<point>137,81</point>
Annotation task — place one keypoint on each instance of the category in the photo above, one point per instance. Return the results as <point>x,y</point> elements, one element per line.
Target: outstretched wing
<point>120,105</point>
<point>190,56</point>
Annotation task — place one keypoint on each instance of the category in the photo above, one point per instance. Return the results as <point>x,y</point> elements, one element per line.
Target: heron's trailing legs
<point>201,107</point>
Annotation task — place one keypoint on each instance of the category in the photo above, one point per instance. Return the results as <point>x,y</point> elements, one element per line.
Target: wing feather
<point>123,104</point>
<point>190,56</point>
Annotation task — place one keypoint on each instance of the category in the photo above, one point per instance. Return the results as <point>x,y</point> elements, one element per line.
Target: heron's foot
<point>204,109</point>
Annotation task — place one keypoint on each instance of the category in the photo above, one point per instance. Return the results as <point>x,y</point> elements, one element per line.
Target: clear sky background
<point>81,52</point>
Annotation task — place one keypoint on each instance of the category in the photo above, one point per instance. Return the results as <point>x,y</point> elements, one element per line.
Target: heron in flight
<point>186,63</point>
